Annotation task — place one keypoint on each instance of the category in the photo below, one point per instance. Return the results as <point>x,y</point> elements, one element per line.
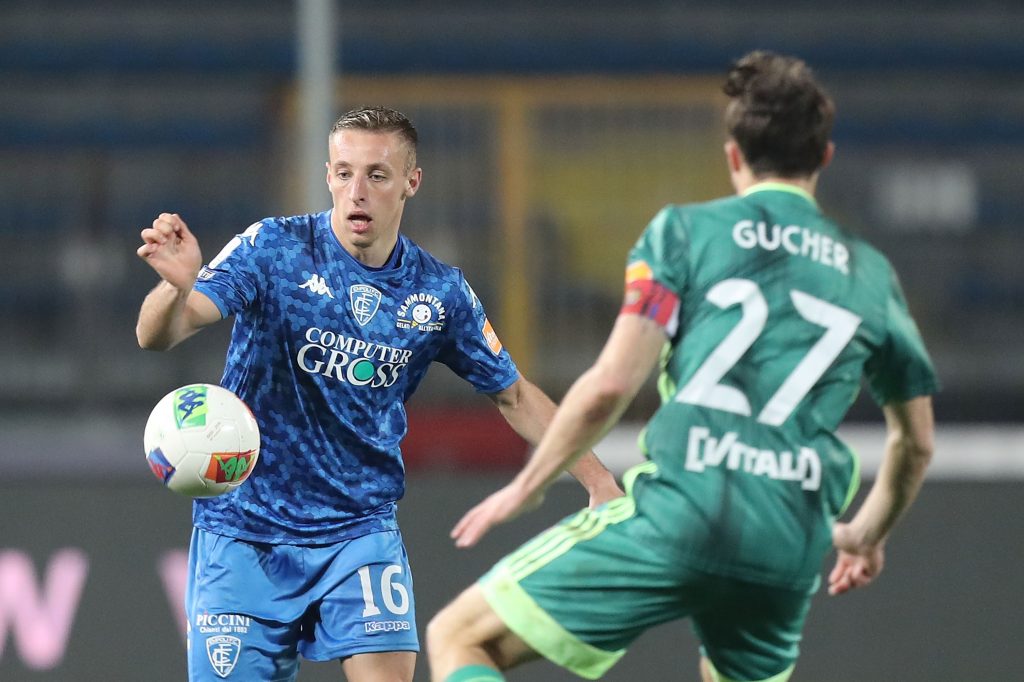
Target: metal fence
<point>535,186</point>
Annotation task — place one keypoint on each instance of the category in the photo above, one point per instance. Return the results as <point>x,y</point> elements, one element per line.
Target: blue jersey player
<point>337,317</point>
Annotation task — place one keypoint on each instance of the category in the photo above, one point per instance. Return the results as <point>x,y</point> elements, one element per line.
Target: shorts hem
<point>542,633</point>
<point>348,653</point>
<point>778,677</point>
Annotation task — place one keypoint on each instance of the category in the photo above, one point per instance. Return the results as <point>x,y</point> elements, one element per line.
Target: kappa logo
<point>236,241</point>
<point>223,651</point>
<point>251,232</point>
<point>317,285</point>
<point>365,301</point>
<point>386,626</point>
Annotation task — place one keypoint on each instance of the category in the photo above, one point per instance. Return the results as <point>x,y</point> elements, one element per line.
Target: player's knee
<point>453,630</point>
<point>442,631</point>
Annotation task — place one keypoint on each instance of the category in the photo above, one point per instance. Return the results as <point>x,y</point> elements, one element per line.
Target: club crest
<point>223,650</point>
<point>365,300</point>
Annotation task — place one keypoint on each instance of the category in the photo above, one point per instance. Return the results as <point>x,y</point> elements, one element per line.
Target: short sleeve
<point>232,279</point>
<point>662,249</point>
<point>473,350</point>
<point>900,369</point>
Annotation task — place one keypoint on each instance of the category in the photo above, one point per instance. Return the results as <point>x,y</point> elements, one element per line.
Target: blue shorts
<point>254,607</point>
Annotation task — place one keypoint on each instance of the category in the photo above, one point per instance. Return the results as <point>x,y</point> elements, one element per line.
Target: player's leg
<point>364,611</point>
<point>752,633</point>
<point>390,666</point>
<point>709,673</point>
<point>468,641</point>
<point>706,673</point>
<point>576,594</point>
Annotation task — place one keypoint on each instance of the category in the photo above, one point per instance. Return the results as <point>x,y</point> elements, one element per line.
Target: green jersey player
<point>766,316</point>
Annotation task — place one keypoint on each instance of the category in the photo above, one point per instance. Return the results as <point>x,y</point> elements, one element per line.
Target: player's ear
<point>733,156</point>
<point>826,158</point>
<point>327,165</point>
<point>412,182</point>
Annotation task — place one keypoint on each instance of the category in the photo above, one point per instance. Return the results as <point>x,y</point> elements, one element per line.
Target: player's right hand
<point>501,506</point>
<point>172,250</point>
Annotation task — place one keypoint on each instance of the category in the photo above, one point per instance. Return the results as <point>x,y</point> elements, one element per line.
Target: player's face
<point>369,182</point>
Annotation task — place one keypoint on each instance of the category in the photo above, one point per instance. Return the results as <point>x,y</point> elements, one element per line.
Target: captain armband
<point>649,298</point>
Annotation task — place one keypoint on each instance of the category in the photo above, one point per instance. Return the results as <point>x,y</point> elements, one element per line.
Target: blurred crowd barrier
<point>539,173</point>
<point>536,187</point>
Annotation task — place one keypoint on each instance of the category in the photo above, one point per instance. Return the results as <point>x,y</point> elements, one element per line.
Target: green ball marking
<point>363,370</point>
<point>230,467</point>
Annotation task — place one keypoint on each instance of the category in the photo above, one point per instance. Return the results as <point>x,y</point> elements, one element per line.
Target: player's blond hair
<point>384,120</point>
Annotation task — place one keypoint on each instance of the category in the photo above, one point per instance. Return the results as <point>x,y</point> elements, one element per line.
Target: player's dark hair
<point>384,120</point>
<point>778,115</point>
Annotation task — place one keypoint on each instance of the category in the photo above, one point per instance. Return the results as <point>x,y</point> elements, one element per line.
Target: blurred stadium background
<point>550,134</point>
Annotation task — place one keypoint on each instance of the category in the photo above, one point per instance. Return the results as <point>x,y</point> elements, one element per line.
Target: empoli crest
<point>223,650</point>
<point>365,300</point>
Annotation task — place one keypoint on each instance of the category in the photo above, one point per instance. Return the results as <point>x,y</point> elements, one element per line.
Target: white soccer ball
<point>201,440</point>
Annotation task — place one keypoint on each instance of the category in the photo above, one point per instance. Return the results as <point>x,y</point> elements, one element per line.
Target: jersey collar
<point>780,187</point>
<point>390,264</point>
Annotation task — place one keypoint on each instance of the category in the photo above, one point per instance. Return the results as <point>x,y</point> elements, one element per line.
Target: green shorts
<point>582,591</point>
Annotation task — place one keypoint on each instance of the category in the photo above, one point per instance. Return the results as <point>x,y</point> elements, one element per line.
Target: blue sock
<point>475,673</point>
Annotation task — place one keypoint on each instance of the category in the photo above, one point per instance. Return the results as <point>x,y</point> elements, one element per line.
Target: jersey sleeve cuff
<point>217,300</point>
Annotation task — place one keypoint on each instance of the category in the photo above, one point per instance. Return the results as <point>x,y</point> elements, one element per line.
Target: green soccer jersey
<point>781,313</point>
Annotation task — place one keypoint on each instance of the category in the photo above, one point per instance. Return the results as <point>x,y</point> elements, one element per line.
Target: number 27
<point>704,388</point>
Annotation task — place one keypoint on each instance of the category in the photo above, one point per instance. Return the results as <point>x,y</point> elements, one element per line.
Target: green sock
<point>475,673</point>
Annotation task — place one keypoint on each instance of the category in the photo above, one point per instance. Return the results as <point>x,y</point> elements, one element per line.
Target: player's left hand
<point>501,506</point>
<point>857,563</point>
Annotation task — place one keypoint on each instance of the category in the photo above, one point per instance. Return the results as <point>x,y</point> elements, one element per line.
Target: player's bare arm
<point>529,411</point>
<point>172,311</point>
<point>591,407</point>
<point>908,450</point>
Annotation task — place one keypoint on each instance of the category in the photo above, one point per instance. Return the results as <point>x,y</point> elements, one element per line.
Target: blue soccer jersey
<point>325,351</point>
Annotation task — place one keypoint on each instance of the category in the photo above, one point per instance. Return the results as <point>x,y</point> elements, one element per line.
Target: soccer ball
<point>201,440</point>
